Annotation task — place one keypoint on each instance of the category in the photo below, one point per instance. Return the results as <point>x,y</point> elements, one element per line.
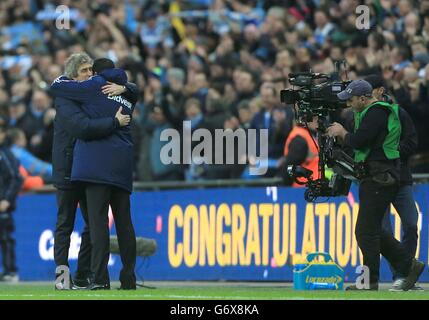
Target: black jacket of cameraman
<point>408,143</point>
<point>371,135</point>
<point>407,146</point>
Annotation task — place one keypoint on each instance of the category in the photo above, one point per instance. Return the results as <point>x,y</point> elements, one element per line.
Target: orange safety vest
<point>312,160</point>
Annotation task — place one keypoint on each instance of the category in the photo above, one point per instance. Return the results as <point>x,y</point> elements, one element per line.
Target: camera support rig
<point>322,186</point>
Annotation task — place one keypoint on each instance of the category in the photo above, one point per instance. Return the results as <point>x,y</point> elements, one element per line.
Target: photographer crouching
<point>375,141</point>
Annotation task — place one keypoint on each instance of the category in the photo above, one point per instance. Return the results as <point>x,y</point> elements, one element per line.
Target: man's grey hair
<point>74,62</point>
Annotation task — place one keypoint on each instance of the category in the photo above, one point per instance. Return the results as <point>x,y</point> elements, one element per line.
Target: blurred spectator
<point>10,185</point>
<point>41,143</point>
<point>400,58</point>
<point>198,87</point>
<point>245,114</point>
<point>227,170</point>
<point>245,84</point>
<point>323,29</point>
<point>153,127</point>
<point>32,164</point>
<point>20,118</point>
<point>274,117</point>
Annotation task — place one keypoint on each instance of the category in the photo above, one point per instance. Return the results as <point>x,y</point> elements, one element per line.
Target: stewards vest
<point>312,160</point>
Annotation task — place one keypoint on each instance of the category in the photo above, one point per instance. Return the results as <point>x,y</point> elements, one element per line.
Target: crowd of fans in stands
<point>218,64</point>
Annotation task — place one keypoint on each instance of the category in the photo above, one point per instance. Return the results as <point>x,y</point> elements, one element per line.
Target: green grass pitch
<point>198,291</point>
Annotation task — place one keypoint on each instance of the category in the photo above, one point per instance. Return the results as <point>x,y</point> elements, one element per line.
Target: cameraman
<point>376,143</point>
<point>404,200</point>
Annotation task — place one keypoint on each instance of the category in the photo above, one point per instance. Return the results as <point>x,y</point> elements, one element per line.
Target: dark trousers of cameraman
<point>371,237</point>
<point>406,208</point>
<point>67,202</point>
<point>99,196</point>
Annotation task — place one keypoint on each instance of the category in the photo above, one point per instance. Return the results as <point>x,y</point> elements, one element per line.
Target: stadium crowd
<point>218,64</point>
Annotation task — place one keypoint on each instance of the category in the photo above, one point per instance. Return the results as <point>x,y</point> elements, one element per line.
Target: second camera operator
<point>404,202</point>
<point>376,143</point>
<point>301,149</point>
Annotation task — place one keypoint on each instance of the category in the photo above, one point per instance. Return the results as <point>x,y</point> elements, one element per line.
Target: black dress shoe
<point>81,283</point>
<point>96,286</point>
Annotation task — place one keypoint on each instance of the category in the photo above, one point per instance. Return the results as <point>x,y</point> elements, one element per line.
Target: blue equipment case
<point>315,274</point>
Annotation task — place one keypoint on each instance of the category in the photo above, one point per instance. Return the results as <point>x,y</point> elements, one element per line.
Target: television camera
<point>316,96</point>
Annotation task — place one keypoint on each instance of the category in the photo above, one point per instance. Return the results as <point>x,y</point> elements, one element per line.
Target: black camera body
<point>316,95</point>
<point>314,99</point>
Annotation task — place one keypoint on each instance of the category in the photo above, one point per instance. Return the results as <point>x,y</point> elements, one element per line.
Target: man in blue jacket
<point>72,123</point>
<point>10,184</point>
<point>105,166</point>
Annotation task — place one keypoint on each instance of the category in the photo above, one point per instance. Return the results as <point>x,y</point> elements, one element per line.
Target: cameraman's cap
<point>356,88</point>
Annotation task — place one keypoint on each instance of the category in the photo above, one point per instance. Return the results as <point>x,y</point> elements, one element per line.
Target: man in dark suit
<point>72,123</point>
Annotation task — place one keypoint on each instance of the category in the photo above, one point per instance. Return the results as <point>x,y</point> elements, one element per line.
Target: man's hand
<point>336,130</point>
<point>122,118</point>
<point>113,89</point>
<point>4,205</point>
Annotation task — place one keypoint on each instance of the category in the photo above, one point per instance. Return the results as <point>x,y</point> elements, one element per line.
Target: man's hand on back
<point>113,89</point>
<point>122,118</point>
